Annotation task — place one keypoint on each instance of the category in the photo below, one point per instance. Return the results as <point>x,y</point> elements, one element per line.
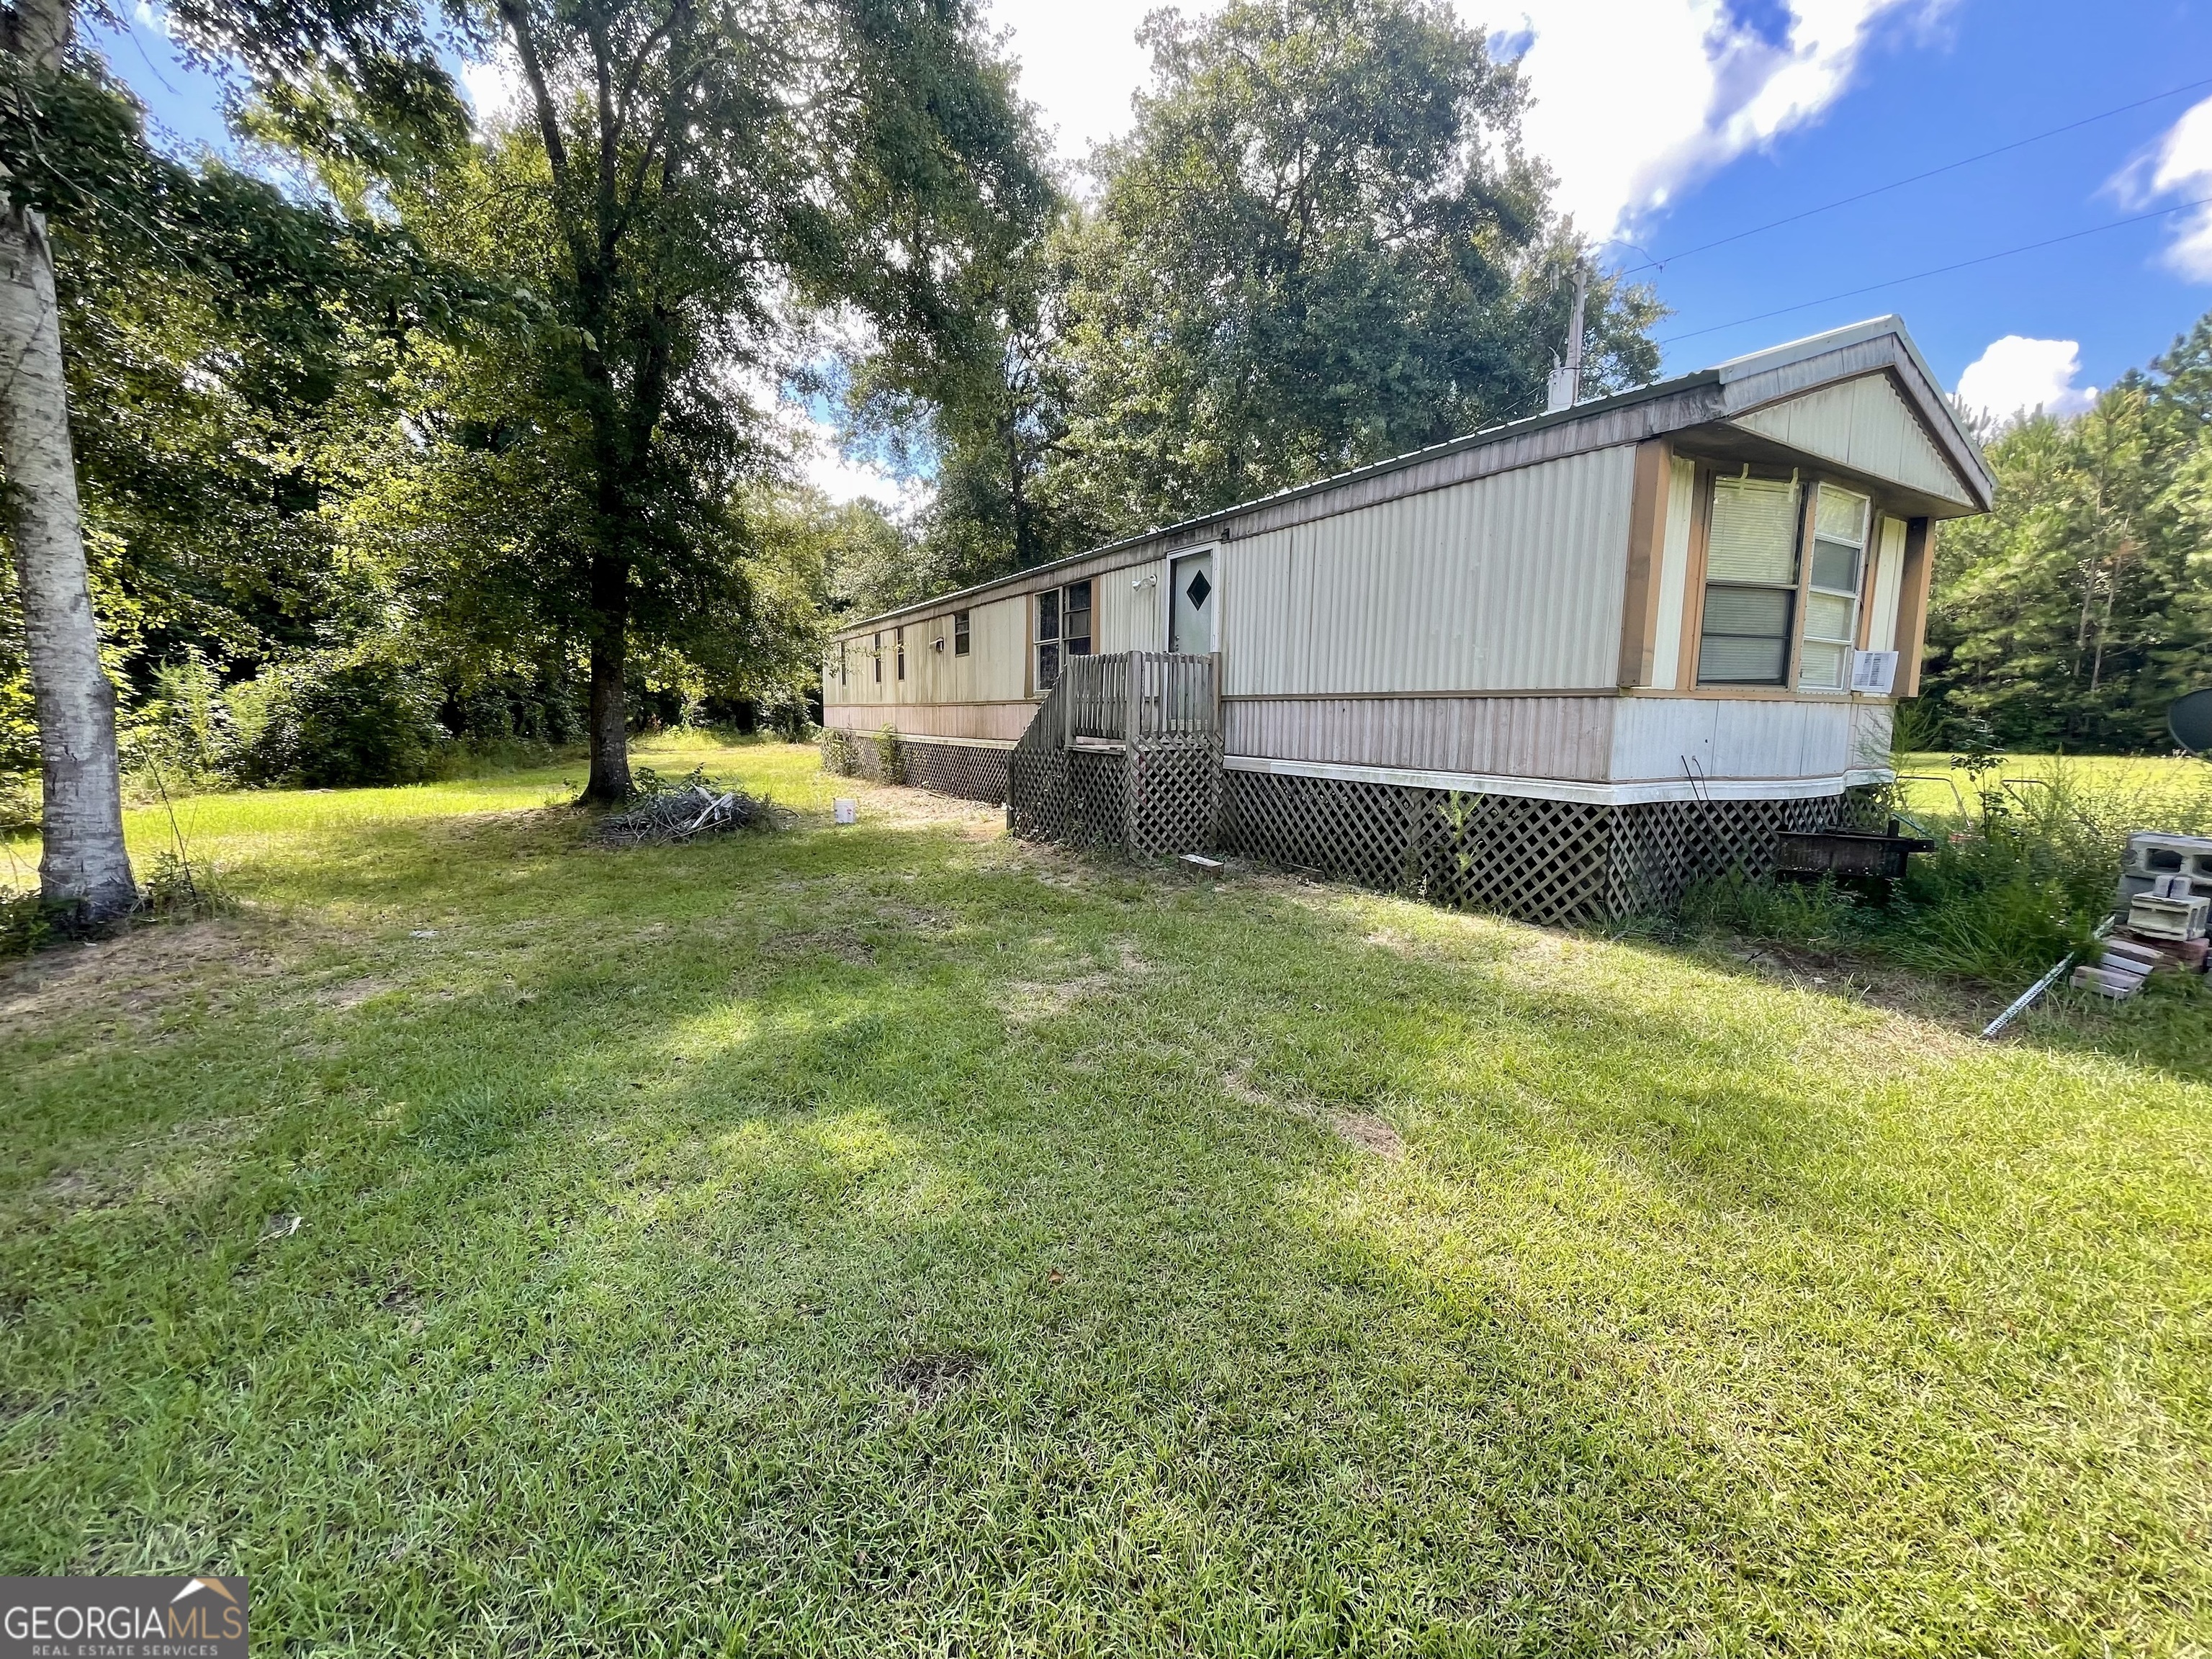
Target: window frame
<point>876,655</point>
<point>1056,642</point>
<point>961,633</point>
<point>898,645</point>
<point>1709,486</point>
<point>1870,516</point>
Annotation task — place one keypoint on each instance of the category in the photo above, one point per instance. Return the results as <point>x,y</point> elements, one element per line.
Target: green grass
<point>896,1239</point>
<point>1933,785</point>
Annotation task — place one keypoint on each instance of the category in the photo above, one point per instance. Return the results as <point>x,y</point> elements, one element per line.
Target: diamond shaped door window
<point>1198,588</point>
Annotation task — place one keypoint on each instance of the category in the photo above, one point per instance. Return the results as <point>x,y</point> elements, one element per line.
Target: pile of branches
<point>678,815</point>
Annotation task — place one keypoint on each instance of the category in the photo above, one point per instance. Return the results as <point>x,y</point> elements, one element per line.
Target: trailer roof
<point>1736,386</point>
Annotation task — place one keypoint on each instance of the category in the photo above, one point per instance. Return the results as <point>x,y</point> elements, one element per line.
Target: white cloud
<point>2182,166</point>
<point>2017,374</point>
<point>1635,98</point>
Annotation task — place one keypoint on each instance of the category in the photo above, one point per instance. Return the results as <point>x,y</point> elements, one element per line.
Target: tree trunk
<point>610,779</point>
<point>84,862</point>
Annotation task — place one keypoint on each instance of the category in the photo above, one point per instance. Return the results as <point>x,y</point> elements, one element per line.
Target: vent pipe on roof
<point>1566,385</point>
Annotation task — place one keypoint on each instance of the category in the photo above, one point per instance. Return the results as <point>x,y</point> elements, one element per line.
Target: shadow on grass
<point>636,1198</point>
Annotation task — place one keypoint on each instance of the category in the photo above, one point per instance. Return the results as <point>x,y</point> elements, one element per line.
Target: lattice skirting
<point>1161,800</point>
<point>1070,796</point>
<point>1549,862</point>
<point>971,771</point>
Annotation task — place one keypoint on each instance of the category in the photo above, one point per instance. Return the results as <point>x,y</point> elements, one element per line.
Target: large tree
<point>688,184</point>
<point>83,862</point>
<point>363,77</point>
<point>1322,243</point>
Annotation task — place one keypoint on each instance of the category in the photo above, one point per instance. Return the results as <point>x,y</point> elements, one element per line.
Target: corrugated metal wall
<point>1512,582</point>
<point>1865,425</point>
<point>1129,611</point>
<point>1526,737</point>
<point>1711,737</point>
<point>993,671</point>
<point>1001,722</point>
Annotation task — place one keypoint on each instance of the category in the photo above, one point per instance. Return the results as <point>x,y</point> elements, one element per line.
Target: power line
<point>1939,270</point>
<point>1652,263</point>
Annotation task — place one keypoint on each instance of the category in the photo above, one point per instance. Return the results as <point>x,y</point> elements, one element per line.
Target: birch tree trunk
<point>84,863</point>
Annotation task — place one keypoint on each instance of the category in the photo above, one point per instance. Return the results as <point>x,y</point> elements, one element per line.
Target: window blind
<point>1753,536</point>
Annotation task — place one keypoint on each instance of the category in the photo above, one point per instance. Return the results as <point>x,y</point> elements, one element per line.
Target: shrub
<point>330,724</point>
<point>26,923</point>
<point>184,730</point>
<point>2022,872</point>
<point>19,802</point>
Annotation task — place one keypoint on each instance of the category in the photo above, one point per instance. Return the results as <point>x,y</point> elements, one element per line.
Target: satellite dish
<point>2190,719</point>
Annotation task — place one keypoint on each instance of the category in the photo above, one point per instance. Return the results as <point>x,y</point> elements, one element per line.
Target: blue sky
<point>1673,123</point>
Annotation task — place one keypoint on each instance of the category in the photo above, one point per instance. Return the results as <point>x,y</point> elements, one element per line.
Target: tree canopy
<point>2078,610</point>
<point>1322,243</point>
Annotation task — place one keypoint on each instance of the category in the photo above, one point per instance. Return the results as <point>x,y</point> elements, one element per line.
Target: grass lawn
<point>2174,785</point>
<point>898,1239</point>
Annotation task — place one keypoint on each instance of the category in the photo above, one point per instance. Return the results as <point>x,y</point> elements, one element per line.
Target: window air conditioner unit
<point>1873,672</point>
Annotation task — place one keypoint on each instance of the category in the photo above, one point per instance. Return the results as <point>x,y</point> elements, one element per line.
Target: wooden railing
<point>1141,697</point>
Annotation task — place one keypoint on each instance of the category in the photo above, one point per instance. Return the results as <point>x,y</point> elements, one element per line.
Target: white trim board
<point>1588,794</point>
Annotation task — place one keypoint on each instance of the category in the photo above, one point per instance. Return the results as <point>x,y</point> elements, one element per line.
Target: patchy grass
<point>896,1239</point>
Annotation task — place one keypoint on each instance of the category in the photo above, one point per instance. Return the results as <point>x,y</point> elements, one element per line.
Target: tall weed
<point>2024,868</point>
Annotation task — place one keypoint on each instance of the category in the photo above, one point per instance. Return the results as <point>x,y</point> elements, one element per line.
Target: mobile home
<point>1559,667</point>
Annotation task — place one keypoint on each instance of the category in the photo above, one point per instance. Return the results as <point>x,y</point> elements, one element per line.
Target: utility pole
<point>1566,383</point>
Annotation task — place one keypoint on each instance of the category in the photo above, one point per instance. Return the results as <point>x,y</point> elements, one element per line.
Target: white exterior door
<point>1193,605</point>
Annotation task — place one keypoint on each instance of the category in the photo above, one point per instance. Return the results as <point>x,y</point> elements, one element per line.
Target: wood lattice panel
<point>1036,794</point>
<point>1544,860</point>
<point>1173,798</point>
<point>1355,830</point>
<point>966,770</point>
<point>1551,861</point>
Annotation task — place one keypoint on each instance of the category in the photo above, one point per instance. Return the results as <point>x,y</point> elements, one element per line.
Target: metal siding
<point>1530,737</point>
<point>999,721</point>
<point>1673,571</point>
<point>1511,582</point>
<point>1865,425</point>
<point>1129,607</point>
<point>1888,586</point>
<point>1658,737</point>
<point>1871,725</point>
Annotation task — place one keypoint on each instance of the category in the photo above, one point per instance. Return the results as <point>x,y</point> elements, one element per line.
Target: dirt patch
<point>1368,1133</point>
<point>929,1377</point>
<point>353,992</point>
<point>1029,1000</point>
<point>181,1164</point>
<point>913,919</point>
<point>844,944</point>
<point>1363,1130</point>
<point>899,805</point>
<point>135,976</point>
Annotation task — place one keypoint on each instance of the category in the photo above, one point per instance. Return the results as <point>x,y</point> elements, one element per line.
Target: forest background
<point>428,439</point>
